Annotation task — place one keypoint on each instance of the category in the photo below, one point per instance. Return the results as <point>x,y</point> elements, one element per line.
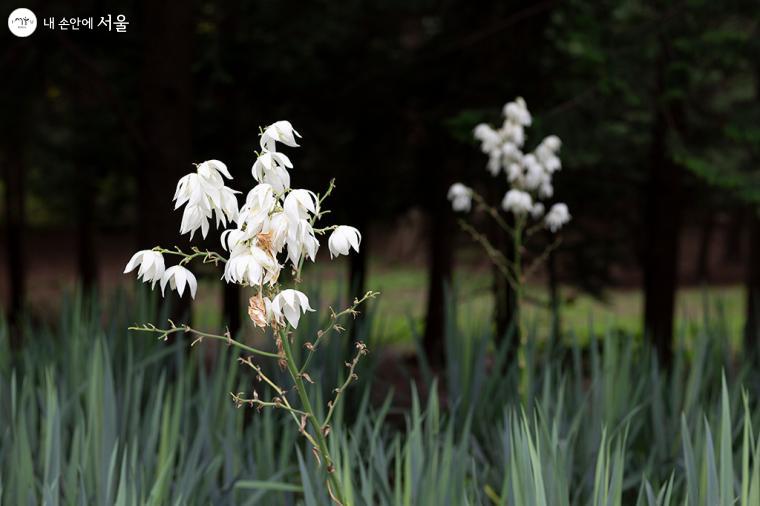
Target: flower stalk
<point>274,227</point>
<point>529,178</point>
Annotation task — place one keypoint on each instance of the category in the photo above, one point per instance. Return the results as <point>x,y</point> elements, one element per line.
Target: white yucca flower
<point>251,265</point>
<point>279,131</point>
<point>259,205</point>
<point>495,162</point>
<point>204,195</point>
<point>488,137</point>
<point>514,173</point>
<point>546,190</point>
<point>557,216</point>
<point>343,239</point>
<point>301,204</point>
<point>517,201</point>
<point>177,277</point>
<point>272,168</point>
<point>301,241</point>
<point>460,197</point>
<point>517,112</point>
<point>553,143</point>
<point>513,133</point>
<point>537,210</point>
<point>151,266</point>
<point>529,175</point>
<point>535,174</point>
<point>232,237</point>
<point>290,304</point>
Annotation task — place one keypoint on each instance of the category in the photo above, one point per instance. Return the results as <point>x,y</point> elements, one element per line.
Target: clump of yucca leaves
<point>88,416</point>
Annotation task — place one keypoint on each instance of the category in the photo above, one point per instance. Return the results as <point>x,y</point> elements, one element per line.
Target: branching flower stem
<point>334,317</point>
<point>274,216</point>
<point>209,257</point>
<point>493,212</point>
<point>319,438</point>
<point>164,334</point>
<point>496,256</point>
<point>361,350</point>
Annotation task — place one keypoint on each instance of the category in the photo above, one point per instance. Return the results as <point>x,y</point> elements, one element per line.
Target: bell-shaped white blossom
<point>546,190</point>
<point>537,210</point>
<point>495,162</point>
<point>279,131</point>
<point>212,169</point>
<point>517,112</point>
<point>546,153</point>
<point>290,304</point>
<point>251,265</point>
<point>517,202</point>
<point>535,174</point>
<point>177,277</point>
<point>300,204</point>
<point>151,266</point>
<point>489,138</point>
<point>232,237</point>
<point>259,204</point>
<point>515,172</point>
<point>557,216</point>
<point>272,167</point>
<point>553,143</point>
<point>204,195</point>
<point>342,239</point>
<point>460,197</point>
<point>301,241</point>
<point>512,133</point>
<point>261,196</point>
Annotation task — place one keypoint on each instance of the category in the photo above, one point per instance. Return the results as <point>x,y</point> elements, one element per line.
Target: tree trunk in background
<point>554,296</point>
<point>503,292</point>
<point>86,248</point>
<point>441,261</point>
<point>732,244</point>
<point>357,280</point>
<point>231,307</point>
<point>752,322</point>
<point>702,274</point>
<point>15,225</point>
<point>167,110</point>
<point>662,222</point>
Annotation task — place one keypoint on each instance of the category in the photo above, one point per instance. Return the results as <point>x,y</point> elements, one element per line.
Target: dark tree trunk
<point>662,221</point>
<point>752,325</point>
<point>86,247</point>
<point>357,281</point>
<point>232,308</point>
<point>503,292</point>
<point>440,261</point>
<point>554,296</point>
<point>732,245</point>
<point>15,226</point>
<point>702,274</point>
<point>166,117</point>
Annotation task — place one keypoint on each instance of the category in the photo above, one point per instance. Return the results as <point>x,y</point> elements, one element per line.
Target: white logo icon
<point>22,22</point>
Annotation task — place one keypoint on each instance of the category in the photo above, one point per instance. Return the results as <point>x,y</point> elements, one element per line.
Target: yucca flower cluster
<point>529,175</point>
<point>273,228</point>
<point>529,181</point>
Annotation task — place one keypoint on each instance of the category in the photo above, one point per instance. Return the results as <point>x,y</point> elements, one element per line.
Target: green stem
<point>185,328</point>
<point>519,295</point>
<point>312,417</point>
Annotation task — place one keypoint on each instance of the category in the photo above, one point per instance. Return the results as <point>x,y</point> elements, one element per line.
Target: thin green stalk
<point>334,482</point>
<point>164,334</point>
